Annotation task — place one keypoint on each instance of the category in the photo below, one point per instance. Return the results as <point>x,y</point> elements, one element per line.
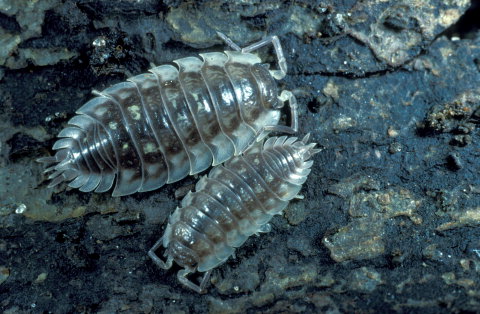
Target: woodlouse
<point>233,202</point>
<point>158,127</point>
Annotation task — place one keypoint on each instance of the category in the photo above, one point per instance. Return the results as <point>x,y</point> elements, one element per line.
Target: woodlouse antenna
<point>282,63</point>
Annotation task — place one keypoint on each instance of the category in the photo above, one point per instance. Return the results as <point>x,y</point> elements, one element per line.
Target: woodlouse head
<point>182,255</point>
<point>267,86</point>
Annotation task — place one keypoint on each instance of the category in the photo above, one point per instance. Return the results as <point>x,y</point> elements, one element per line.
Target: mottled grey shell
<point>158,127</point>
<point>235,201</point>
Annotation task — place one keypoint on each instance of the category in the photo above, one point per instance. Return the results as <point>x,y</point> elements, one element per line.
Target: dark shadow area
<point>468,25</point>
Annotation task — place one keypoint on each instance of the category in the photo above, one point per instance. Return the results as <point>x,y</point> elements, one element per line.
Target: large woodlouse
<point>158,127</point>
<point>233,202</point>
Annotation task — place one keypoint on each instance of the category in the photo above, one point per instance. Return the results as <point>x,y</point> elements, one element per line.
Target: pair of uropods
<point>161,126</point>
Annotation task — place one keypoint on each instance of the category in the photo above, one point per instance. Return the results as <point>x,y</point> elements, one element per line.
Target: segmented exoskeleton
<point>233,202</point>
<point>158,127</point>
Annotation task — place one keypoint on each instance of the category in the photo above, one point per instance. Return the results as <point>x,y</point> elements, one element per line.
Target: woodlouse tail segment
<point>60,171</point>
<point>302,152</point>
<point>153,255</point>
<point>308,150</point>
<point>80,159</point>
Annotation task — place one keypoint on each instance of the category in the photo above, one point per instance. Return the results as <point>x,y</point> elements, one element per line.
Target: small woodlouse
<point>158,127</point>
<point>233,202</point>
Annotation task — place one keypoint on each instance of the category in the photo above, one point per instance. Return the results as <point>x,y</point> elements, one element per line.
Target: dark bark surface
<point>389,221</point>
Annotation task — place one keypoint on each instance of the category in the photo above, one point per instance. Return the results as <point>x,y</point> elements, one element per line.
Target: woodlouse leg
<point>163,264</point>
<point>292,103</point>
<point>182,277</point>
<point>264,229</point>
